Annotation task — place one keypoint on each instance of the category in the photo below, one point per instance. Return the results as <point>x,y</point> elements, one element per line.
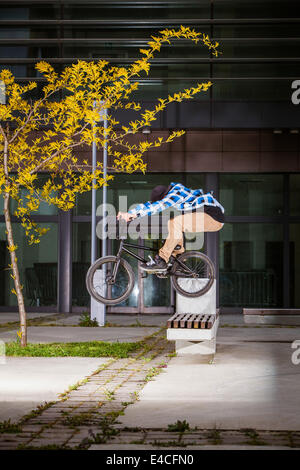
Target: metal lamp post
<point>98,310</point>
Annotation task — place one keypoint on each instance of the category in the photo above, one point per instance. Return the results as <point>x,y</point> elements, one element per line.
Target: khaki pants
<point>190,222</point>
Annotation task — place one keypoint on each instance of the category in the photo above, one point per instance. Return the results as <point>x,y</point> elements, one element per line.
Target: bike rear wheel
<point>195,277</point>
<point>101,287</point>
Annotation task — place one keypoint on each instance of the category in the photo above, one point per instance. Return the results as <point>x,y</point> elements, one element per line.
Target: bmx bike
<point>192,274</point>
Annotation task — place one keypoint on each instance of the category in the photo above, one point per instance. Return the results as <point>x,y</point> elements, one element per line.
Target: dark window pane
<point>251,265</point>
<point>252,90</point>
<point>256,9</point>
<point>277,30</point>
<point>157,291</point>
<point>34,52</point>
<point>123,31</point>
<point>33,12</point>
<point>111,11</point>
<point>272,70</point>
<point>243,194</point>
<point>81,261</point>
<point>125,49</point>
<point>294,265</point>
<point>37,265</point>
<point>44,208</point>
<point>295,194</point>
<point>151,90</point>
<point>259,49</point>
<point>28,32</point>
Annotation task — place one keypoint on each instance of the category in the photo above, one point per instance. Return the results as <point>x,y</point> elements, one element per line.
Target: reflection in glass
<point>37,265</point>
<point>157,292</point>
<point>244,194</point>
<point>294,194</point>
<point>294,265</point>
<point>252,90</point>
<point>276,30</point>
<point>132,300</point>
<point>81,261</point>
<point>44,208</point>
<point>127,11</point>
<point>263,9</point>
<point>125,50</point>
<point>251,265</point>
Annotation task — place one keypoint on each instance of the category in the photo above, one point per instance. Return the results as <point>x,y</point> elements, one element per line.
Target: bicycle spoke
<point>195,277</point>
<point>115,290</point>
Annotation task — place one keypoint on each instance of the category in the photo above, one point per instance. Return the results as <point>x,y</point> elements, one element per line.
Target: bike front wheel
<point>194,274</point>
<point>108,284</point>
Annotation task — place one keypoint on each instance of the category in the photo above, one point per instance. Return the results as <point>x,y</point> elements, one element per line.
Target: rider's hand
<point>125,216</point>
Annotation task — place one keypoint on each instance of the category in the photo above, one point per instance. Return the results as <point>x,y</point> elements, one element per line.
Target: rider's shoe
<point>155,265</point>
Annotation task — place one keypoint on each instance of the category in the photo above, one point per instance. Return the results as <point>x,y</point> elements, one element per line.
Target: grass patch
<point>179,426</point>
<point>85,320</point>
<point>9,427</point>
<point>84,349</point>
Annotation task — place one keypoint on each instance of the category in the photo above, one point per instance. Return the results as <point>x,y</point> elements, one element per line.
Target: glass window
<point>152,89</point>
<point>264,48</point>
<point>14,13</point>
<point>196,181</point>
<point>294,194</point>
<point>256,9</point>
<point>34,12</point>
<point>111,11</point>
<point>37,266</point>
<point>28,32</point>
<point>125,50</point>
<point>251,265</point>
<point>123,31</point>
<point>274,70</point>
<point>130,189</point>
<point>251,90</point>
<point>244,194</point>
<point>81,261</point>
<point>276,30</point>
<point>35,52</point>
<point>44,208</point>
<point>157,292</point>
<point>294,265</point>
<point>113,246</point>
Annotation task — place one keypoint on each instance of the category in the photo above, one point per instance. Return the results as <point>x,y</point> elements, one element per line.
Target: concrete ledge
<point>194,340</point>
<point>272,319</point>
<point>271,311</point>
<point>192,334</point>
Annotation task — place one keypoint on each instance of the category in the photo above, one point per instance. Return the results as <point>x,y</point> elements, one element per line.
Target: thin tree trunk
<point>15,269</point>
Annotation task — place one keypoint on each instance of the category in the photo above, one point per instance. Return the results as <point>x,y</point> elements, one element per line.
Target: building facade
<point>242,141</point>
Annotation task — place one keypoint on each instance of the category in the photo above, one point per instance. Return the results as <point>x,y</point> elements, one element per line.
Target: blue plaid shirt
<point>179,197</point>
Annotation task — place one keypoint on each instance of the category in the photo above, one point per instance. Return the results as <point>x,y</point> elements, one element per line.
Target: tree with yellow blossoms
<point>45,135</point>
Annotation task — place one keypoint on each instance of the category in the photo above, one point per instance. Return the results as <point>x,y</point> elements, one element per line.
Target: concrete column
<point>65,263</point>
<point>212,238</point>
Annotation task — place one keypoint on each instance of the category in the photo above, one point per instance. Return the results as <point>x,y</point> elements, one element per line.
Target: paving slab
<point>52,334</point>
<point>26,382</point>
<point>120,320</point>
<point>252,383</point>
<point>6,317</point>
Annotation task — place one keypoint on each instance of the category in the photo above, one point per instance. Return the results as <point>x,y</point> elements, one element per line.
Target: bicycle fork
<point>117,264</point>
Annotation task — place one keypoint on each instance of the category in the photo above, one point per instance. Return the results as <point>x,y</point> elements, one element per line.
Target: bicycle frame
<point>123,248</point>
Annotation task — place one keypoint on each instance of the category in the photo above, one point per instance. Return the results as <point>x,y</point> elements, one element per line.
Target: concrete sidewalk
<point>26,382</point>
<point>252,383</point>
<point>58,334</point>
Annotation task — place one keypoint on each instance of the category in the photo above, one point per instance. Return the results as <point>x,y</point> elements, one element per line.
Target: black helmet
<point>158,193</point>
